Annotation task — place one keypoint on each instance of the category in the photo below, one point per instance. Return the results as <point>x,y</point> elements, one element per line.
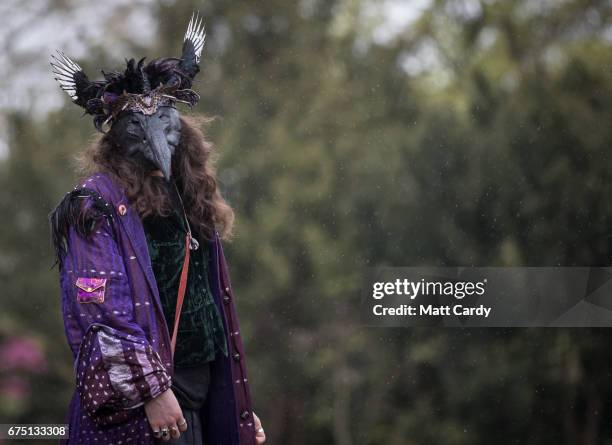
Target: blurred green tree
<point>475,136</point>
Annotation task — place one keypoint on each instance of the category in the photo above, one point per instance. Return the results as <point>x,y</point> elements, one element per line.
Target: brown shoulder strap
<point>181,292</point>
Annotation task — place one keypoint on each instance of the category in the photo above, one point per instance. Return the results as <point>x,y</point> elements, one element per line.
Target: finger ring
<point>183,422</point>
<point>164,432</point>
<point>173,428</point>
<point>156,433</point>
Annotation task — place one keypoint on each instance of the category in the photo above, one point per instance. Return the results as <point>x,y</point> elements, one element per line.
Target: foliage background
<point>352,133</point>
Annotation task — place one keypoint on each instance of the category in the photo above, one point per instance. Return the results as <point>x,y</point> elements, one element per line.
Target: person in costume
<point>147,301</point>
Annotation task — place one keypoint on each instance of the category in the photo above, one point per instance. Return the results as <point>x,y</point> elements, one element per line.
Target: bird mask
<point>136,107</point>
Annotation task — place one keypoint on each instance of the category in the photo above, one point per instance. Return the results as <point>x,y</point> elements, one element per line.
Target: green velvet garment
<point>201,334</point>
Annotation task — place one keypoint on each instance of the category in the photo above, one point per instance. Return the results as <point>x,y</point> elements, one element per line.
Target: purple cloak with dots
<point>120,341</point>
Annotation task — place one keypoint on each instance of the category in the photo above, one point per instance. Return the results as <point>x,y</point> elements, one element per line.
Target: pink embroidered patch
<point>90,290</point>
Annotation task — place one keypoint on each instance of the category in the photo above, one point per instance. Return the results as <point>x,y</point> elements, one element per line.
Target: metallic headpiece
<point>142,88</point>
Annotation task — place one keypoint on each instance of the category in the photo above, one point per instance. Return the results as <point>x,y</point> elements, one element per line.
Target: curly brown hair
<point>192,167</point>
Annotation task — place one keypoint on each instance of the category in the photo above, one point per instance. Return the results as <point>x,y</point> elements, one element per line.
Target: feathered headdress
<point>141,87</point>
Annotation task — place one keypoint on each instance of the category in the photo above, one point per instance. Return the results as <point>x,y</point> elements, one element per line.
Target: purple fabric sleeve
<point>116,367</point>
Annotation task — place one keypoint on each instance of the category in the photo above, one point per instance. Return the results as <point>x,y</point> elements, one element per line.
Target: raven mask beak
<point>152,137</point>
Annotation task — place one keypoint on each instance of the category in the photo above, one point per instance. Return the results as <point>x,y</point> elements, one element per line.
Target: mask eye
<point>134,121</point>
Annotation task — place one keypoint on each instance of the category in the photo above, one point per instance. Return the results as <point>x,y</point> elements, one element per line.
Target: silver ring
<point>164,432</point>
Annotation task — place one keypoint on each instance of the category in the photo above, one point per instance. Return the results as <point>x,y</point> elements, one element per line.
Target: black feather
<point>167,71</point>
<point>188,63</point>
<point>71,211</point>
<point>86,90</point>
<point>132,81</point>
<point>95,107</point>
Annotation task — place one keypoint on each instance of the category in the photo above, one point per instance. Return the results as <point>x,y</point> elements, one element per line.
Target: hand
<point>164,412</point>
<point>260,436</point>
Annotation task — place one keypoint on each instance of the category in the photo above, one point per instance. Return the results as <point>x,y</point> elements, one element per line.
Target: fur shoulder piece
<point>82,208</point>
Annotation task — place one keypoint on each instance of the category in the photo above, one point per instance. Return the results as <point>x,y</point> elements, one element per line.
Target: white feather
<point>196,33</point>
<point>64,69</point>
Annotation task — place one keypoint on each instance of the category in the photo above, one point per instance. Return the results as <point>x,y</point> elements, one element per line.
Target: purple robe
<point>120,341</point>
